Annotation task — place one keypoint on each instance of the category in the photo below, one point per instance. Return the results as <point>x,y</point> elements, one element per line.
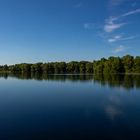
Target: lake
<point>68,107</point>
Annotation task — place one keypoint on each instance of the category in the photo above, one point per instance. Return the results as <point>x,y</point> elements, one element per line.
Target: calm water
<point>68,107</point>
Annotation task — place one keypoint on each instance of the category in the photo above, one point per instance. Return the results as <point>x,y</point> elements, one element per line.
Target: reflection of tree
<point>108,79</point>
<point>4,75</point>
<point>115,80</point>
<point>128,82</point>
<point>99,78</point>
<point>137,80</point>
<point>112,80</point>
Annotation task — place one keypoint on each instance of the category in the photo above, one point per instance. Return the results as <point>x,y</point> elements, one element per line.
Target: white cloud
<point>110,27</point>
<point>130,13</point>
<point>110,24</point>
<point>128,38</point>
<point>113,19</point>
<point>89,25</point>
<point>120,38</point>
<point>119,49</point>
<point>114,39</point>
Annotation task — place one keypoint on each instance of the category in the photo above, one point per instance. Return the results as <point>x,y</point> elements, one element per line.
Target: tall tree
<point>128,62</point>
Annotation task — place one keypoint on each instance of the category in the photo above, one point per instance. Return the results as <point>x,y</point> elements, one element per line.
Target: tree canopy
<point>126,64</point>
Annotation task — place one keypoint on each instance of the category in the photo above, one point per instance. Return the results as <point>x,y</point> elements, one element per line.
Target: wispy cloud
<point>129,38</point>
<point>110,27</point>
<point>131,13</point>
<point>119,49</point>
<point>113,19</point>
<point>120,38</point>
<point>89,25</point>
<point>114,39</point>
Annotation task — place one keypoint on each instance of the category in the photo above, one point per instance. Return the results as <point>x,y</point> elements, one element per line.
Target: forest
<point>114,65</point>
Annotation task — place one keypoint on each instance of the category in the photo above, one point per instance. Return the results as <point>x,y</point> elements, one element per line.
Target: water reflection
<point>111,80</point>
<point>120,80</point>
<point>81,107</point>
<point>113,109</point>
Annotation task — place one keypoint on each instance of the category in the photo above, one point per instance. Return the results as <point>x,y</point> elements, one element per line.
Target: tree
<point>72,67</point>
<point>128,62</point>
<point>36,67</point>
<point>82,67</point>
<point>114,65</point>
<point>89,67</point>
<point>136,68</point>
<point>98,66</point>
<point>25,67</point>
<point>5,68</point>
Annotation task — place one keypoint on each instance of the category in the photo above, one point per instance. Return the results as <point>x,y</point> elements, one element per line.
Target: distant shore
<point>115,65</point>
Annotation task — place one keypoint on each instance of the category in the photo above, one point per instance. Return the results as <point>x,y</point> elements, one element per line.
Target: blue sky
<point>64,30</point>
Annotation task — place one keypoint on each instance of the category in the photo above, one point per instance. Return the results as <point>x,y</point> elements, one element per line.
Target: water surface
<point>68,107</point>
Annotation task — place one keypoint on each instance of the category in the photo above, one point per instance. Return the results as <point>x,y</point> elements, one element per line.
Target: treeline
<point>126,64</point>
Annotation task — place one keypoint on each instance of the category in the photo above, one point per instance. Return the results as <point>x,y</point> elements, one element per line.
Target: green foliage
<point>126,64</point>
<point>98,66</point>
<point>113,65</point>
<point>36,67</point>
<point>73,67</point>
<point>89,67</point>
<point>82,67</point>
<point>5,68</point>
<point>136,67</point>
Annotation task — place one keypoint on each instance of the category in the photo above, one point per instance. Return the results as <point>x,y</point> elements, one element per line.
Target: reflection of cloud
<point>113,108</point>
<point>112,111</point>
<point>115,100</point>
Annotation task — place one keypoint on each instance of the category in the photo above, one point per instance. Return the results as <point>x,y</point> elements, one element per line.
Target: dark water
<point>69,107</point>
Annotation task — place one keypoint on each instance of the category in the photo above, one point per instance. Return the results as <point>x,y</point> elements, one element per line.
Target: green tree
<point>72,67</point>
<point>82,67</point>
<point>136,68</point>
<point>98,66</point>
<point>89,67</point>
<point>5,68</point>
<point>128,62</point>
